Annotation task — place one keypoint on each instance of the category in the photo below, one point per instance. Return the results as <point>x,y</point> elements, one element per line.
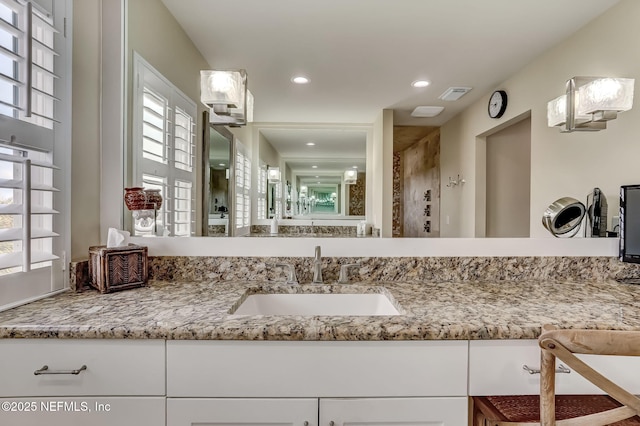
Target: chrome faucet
<point>317,267</point>
<point>292,279</point>
<point>344,272</point>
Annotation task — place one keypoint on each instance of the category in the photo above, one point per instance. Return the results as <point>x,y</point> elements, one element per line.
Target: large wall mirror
<point>453,173</point>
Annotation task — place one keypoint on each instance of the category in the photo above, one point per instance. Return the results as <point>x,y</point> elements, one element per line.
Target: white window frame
<point>241,218</point>
<point>261,192</point>
<point>177,215</point>
<point>40,125</point>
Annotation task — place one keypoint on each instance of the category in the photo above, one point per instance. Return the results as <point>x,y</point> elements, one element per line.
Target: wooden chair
<point>563,345</point>
<point>618,407</point>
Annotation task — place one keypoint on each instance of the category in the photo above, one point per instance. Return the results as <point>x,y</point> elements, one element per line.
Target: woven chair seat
<point>526,408</point>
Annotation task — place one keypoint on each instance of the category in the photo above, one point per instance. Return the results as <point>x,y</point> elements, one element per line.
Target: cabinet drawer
<point>83,411</point>
<point>255,412</point>
<point>114,367</point>
<point>394,411</point>
<point>496,368</point>
<point>316,369</point>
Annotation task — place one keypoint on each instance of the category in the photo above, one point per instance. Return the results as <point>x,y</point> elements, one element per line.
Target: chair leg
<point>547,388</point>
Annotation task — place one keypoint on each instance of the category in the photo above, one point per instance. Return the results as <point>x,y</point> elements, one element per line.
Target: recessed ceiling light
<point>314,167</point>
<point>299,79</point>
<point>354,167</point>
<point>420,83</point>
<point>221,164</point>
<point>311,143</point>
<point>317,177</point>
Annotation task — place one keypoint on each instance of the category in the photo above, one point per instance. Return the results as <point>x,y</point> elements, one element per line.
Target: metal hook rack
<point>455,182</point>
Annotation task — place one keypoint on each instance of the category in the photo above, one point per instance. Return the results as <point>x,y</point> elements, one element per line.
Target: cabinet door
<point>235,411</point>
<point>394,411</point>
<point>102,411</point>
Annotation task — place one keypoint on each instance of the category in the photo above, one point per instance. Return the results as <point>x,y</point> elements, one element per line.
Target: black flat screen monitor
<point>630,223</point>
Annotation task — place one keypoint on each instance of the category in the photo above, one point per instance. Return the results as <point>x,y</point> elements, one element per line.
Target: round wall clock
<point>497,104</point>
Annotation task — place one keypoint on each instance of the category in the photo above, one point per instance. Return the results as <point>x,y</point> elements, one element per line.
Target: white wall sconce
<point>273,174</point>
<point>589,102</point>
<point>350,177</point>
<point>455,182</point>
<point>225,92</point>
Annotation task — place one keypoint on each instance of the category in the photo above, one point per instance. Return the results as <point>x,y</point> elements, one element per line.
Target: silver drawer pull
<point>560,369</point>
<point>45,370</point>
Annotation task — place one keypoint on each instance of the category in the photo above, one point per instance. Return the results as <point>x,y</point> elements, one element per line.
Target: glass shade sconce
<point>350,177</point>
<point>273,174</point>
<point>589,102</point>
<point>225,93</point>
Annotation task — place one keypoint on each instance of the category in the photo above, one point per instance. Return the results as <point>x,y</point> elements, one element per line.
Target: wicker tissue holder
<point>118,268</point>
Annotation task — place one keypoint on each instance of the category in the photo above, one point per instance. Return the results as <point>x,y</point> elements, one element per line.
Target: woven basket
<point>118,268</point>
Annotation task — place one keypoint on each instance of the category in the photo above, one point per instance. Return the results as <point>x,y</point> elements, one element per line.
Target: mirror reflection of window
<point>274,196</point>
<point>216,193</point>
<point>261,193</point>
<point>164,149</point>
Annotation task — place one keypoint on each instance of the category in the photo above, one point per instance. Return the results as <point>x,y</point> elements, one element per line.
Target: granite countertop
<point>451,310</point>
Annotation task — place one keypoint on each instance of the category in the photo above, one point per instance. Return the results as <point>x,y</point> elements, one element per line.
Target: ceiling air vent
<point>427,111</point>
<point>454,93</point>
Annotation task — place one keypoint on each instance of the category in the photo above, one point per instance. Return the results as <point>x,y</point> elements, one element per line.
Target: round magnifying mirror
<point>563,217</point>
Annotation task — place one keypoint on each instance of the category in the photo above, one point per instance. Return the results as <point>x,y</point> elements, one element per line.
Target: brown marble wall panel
<point>421,188</point>
<point>397,214</point>
<point>357,195</point>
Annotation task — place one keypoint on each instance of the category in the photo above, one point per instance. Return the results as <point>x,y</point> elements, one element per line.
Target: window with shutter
<point>262,192</point>
<point>242,189</point>
<point>164,145</point>
<point>33,85</point>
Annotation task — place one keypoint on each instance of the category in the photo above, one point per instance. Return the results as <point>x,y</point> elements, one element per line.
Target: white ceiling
<point>335,149</point>
<point>362,55</point>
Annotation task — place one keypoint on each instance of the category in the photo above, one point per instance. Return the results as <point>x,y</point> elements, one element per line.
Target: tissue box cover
<point>118,268</point>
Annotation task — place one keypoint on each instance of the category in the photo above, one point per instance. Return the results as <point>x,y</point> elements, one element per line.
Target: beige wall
<point>268,154</point>
<point>561,164</point>
<point>85,155</point>
<point>380,173</point>
<point>166,46</point>
<point>508,168</point>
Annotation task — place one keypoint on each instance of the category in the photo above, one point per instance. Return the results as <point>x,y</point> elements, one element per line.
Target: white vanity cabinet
<point>97,382</point>
<point>382,382</point>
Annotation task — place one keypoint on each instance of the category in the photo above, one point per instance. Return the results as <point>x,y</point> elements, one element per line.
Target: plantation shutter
<point>31,75</point>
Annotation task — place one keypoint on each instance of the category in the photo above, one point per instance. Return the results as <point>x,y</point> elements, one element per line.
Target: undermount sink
<point>306,304</point>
